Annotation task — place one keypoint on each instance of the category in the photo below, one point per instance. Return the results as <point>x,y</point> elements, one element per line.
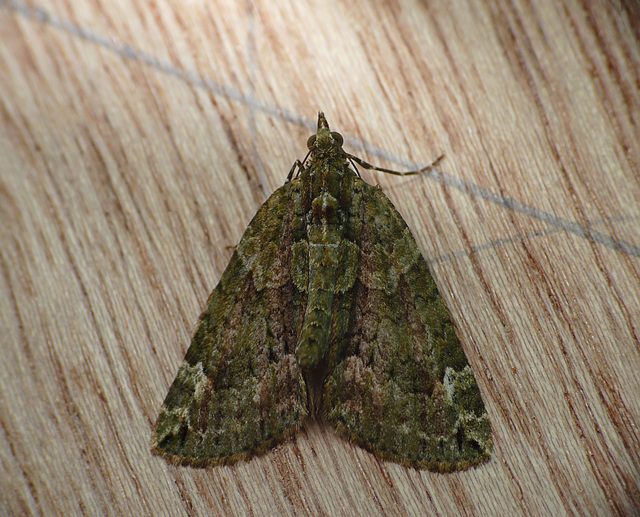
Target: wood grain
<point>137,139</point>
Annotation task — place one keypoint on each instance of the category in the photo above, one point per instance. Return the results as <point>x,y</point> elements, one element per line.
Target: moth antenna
<point>368,166</point>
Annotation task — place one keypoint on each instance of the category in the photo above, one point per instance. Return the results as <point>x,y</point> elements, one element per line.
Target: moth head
<point>324,138</point>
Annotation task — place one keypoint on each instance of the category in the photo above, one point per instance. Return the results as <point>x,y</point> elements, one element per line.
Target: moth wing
<point>239,389</point>
<point>401,385</point>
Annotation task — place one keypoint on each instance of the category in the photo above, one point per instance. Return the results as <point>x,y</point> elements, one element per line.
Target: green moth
<point>326,308</point>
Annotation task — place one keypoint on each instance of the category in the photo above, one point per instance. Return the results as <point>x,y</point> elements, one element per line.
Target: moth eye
<point>311,142</point>
<point>337,137</point>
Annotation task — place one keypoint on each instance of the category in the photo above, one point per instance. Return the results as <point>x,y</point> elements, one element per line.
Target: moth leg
<point>368,166</point>
<point>297,164</point>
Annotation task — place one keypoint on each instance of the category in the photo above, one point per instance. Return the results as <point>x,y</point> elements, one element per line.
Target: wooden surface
<point>137,140</point>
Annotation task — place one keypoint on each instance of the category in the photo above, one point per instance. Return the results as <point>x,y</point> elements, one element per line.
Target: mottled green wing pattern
<point>399,382</point>
<point>326,287</point>
<point>239,389</point>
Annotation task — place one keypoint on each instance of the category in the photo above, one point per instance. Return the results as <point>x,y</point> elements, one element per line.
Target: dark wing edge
<point>400,385</point>
<point>239,391</point>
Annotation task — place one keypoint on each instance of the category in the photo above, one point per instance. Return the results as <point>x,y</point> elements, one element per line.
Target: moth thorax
<point>324,206</point>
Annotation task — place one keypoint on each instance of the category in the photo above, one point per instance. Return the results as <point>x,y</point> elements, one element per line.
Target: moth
<point>326,308</point>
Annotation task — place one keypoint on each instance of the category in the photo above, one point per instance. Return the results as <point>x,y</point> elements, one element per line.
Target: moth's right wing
<point>400,384</point>
<point>239,390</point>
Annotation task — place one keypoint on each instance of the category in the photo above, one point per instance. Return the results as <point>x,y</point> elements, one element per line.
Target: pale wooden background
<point>137,140</point>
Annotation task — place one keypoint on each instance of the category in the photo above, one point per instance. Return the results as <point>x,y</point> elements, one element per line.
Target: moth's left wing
<point>399,383</point>
<point>239,390</point>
